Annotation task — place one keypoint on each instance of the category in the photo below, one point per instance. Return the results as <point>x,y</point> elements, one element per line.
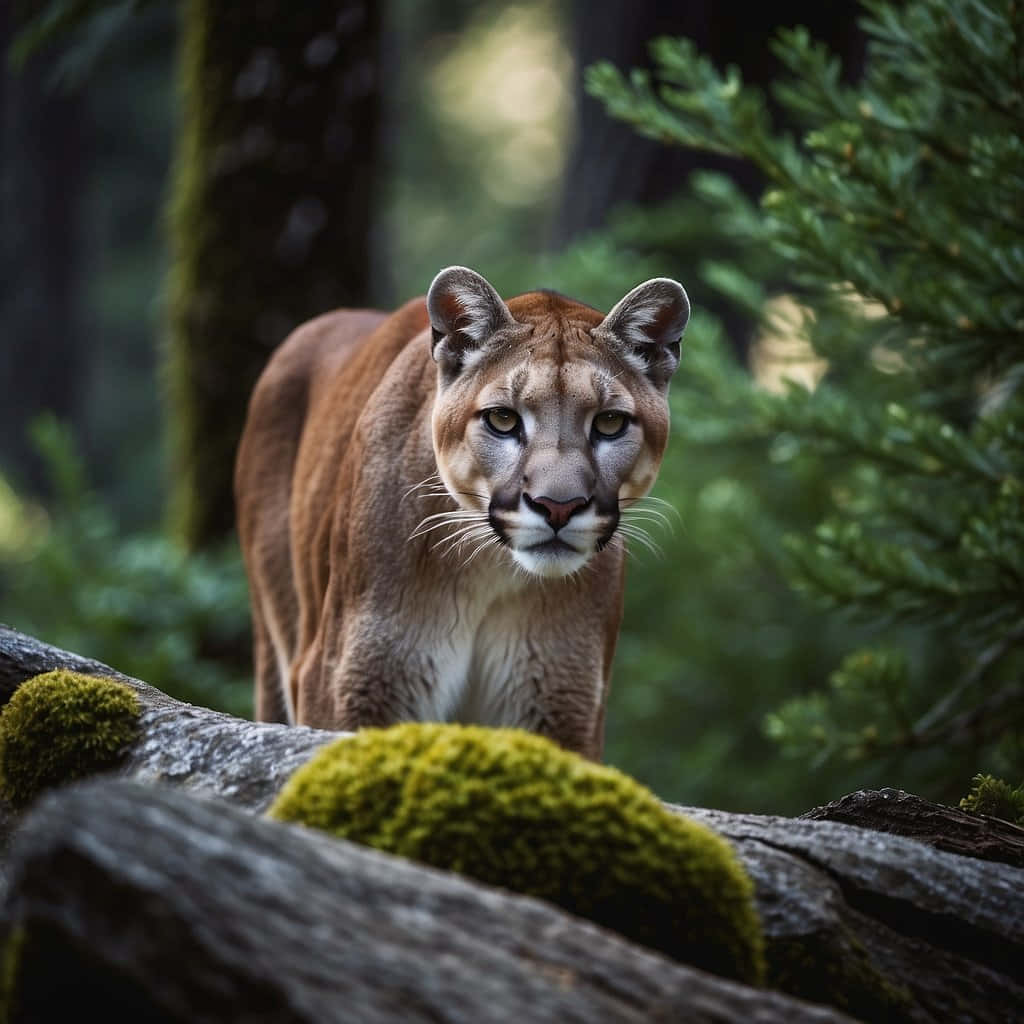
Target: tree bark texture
<point>910,932</point>
<point>270,213</point>
<point>945,828</point>
<point>156,906</point>
<point>879,925</point>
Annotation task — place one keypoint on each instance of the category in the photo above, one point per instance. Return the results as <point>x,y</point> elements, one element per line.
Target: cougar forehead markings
<point>555,378</point>
<point>415,524</point>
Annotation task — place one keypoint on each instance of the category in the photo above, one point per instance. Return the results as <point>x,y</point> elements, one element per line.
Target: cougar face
<point>549,415</point>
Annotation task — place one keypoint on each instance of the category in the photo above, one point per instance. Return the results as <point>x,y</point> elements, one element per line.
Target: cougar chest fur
<point>430,505</point>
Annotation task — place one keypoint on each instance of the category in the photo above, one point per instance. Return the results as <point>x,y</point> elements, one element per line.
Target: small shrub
<point>137,601</point>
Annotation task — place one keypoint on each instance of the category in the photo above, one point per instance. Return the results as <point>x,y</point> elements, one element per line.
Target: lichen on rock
<point>61,726</point>
<point>512,809</point>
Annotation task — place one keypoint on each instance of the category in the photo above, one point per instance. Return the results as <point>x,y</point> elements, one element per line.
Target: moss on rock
<point>512,809</point>
<point>836,969</point>
<point>62,726</point>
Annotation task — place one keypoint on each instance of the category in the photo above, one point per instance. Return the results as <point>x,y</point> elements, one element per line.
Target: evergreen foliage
<point>138,602</point>
<point>512,809</point>
<point>897,219</point>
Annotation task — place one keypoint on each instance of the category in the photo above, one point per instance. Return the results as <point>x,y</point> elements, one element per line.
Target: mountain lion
<point>432,506</point>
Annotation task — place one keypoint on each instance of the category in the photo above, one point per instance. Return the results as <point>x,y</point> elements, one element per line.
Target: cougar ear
<point>644,328</point>
<point>465,311</point>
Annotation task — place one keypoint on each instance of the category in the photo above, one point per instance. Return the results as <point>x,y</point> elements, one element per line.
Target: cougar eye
<point>610,424</point>
<point>502,421</point>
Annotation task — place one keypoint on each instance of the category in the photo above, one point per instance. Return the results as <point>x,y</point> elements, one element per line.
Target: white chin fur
<point>550,566</point>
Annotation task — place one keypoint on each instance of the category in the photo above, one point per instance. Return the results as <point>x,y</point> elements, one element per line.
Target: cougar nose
<point>557,513</point>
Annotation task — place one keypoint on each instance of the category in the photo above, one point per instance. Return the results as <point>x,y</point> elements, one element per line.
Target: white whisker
<point>486,542</point>
<point>424,530</point>
<point>652,548</point>
<point>452,513</point>
<point>638,534</point>
<point>650,500</point>
<point>638,511</point>
<point>631,551</point>
<point>461,534</point>
<point>431,479</point>
<point>456,539</point>
<point>644,510</point>
<point>631,516</point>
<point>476,543</point>
<point>450,518</point>
<point>654,500</point>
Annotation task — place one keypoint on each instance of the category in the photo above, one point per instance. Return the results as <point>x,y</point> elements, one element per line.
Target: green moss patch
<point>996,798</point>
<point>62,726</point>
<point>513,810</point>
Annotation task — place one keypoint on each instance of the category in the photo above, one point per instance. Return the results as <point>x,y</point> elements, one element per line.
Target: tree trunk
<point>875,924</point>
<point>270,214</point>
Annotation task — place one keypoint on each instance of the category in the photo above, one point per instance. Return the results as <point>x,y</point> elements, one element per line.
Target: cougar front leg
<point>572,717</point>
<point>373,695</point>
<point>369,679</point>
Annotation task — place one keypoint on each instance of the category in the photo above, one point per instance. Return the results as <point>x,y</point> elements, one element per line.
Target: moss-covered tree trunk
<point>270,214</point>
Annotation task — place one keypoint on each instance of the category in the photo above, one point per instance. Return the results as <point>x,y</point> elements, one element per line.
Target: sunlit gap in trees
<point>503,85</point>
<point>481,114</point>
<point>780,352</point>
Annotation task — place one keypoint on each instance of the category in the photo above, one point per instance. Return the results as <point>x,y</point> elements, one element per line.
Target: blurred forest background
<point>840,601</point>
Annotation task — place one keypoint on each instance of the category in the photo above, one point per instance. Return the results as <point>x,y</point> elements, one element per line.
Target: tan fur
<point>365,615</point>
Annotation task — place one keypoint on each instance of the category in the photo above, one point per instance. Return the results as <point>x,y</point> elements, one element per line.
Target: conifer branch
<point>926,729</point>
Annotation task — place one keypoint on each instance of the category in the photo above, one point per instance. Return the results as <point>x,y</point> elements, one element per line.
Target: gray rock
<point>143,903</point>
